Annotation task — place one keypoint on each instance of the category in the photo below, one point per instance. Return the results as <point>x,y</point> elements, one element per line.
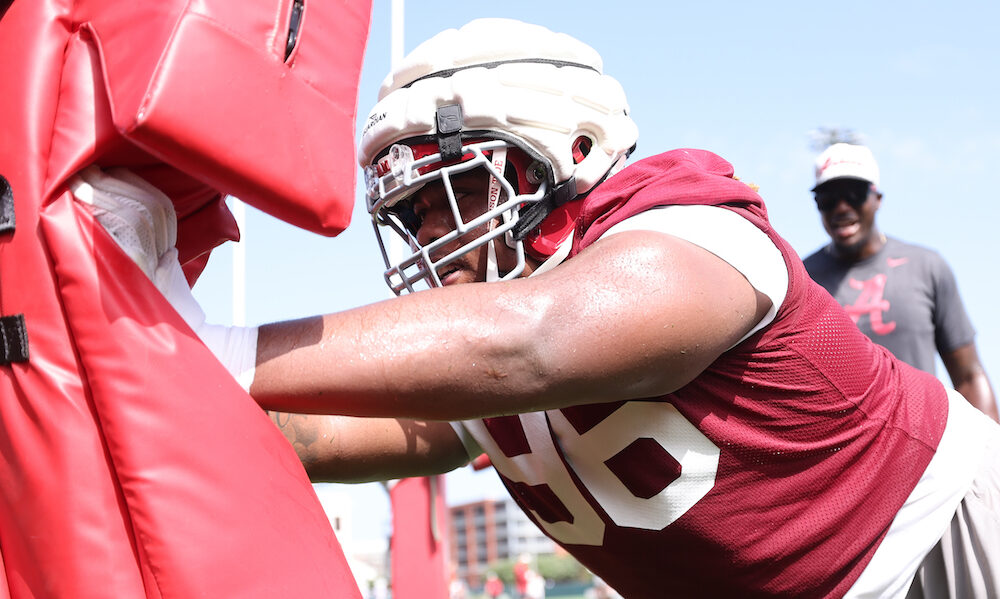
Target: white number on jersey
<point>587,453</point>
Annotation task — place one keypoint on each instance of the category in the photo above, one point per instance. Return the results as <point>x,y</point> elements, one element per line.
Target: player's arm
<point>638,314</point>
<point>969,378</point>
<point>352,450</point>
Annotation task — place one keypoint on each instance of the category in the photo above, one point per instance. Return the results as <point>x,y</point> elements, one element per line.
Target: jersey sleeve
<point>727,235</point>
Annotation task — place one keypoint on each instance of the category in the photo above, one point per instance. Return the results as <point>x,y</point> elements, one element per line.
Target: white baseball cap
<point>846,161</point>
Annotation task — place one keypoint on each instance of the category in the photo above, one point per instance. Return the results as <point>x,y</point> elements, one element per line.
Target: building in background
<point>483,532</point>
<point>367,558</point>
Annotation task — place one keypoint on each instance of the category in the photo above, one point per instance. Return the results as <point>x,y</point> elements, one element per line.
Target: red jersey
<point>775,472</point>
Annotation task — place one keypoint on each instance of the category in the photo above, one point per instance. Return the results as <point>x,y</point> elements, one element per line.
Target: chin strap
<point>533,215</point>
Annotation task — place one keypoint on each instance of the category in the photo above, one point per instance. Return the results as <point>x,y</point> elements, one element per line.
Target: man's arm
<point>969,378</point>
<point>354,450</point>
<point>638,314</point>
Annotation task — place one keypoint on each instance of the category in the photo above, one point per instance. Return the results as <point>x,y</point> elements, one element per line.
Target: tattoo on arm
<point>280,418</point>
<point>300,430</point>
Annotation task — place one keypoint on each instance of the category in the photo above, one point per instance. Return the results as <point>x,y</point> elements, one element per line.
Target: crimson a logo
<point>871,302</point>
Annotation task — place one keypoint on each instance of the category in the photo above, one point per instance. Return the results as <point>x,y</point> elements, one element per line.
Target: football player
<point>654,376</point>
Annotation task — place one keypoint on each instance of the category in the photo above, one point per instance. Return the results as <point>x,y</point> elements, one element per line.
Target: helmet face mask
<point>514,183</point>
<point>536,112</point>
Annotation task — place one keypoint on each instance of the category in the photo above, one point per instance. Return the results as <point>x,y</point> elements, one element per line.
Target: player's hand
<point>139,217</point>
<point>142,221</point>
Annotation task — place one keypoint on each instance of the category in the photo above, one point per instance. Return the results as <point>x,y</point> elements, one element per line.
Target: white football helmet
<point>529,106</point>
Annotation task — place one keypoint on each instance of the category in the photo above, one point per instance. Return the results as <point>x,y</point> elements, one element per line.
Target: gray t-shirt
<point>904,298</point>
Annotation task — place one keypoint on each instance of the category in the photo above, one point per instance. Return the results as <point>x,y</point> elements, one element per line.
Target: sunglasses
<point>855,193</point>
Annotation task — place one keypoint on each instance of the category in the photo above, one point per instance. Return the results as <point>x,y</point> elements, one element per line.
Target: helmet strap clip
<point>449,131</point>
<point>533,215</point>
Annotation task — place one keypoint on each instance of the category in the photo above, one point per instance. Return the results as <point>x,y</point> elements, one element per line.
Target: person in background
<point>494,586</point>
<point>521,569</point>
<point>535,585</point>
<point>903,296</point>
<point>457,588</point>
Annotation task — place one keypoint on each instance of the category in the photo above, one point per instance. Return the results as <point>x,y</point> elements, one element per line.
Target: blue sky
<point>748,81</point>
